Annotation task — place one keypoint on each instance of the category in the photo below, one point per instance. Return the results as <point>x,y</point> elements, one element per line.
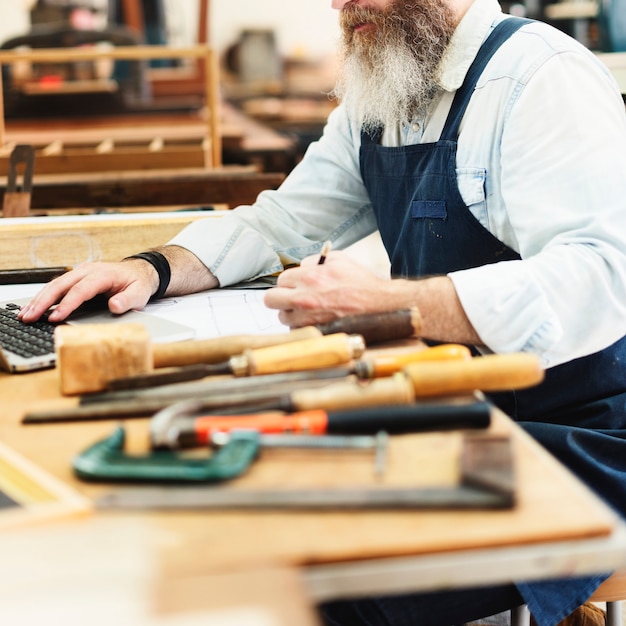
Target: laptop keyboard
<point>26,340</point>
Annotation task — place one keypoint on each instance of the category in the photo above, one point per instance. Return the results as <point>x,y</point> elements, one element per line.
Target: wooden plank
<point>230,186</point>
<point>119,53</point>
<point>52,241</point>
<point>110,158</point>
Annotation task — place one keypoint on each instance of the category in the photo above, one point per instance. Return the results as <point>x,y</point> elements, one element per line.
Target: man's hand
<point>129,284</point>
<point>313,293</point>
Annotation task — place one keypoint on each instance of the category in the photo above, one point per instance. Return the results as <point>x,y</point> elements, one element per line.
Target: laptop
<point>28,347</point>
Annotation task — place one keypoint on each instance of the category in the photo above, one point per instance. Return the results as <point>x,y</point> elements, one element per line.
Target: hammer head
<point>162,422</point>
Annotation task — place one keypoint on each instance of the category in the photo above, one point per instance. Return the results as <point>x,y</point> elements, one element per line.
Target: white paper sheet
<point>221,312</point>
<point>211,313</point>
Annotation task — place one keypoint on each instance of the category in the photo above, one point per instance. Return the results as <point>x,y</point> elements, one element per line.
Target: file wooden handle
<point>318,353</point>
<point>497,372</point>
<point>391,390</point>
<point>389,364</point>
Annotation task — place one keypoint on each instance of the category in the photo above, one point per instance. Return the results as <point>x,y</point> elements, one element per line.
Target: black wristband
<point>161,265</point>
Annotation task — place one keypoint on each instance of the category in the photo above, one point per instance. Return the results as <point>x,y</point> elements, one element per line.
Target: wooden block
<point>90,355</point>
<point>16,204</point>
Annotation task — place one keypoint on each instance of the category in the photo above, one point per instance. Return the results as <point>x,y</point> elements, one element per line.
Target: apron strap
<point>462,97</point>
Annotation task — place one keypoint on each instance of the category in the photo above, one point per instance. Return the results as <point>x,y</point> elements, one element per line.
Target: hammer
<point>183,423</point>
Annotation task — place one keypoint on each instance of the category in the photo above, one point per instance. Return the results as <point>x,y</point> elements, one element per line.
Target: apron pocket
<point>432,209</point>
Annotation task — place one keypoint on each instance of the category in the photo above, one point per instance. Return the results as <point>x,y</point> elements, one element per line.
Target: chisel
<point>316,353</point>
<point>419,380</point>
<point>376,367</point>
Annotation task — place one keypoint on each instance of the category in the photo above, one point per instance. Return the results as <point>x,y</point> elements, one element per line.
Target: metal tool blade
<point>462,497</point>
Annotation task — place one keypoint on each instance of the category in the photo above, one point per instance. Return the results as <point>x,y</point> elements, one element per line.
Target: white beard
<point>395,90</point>
<point>384,80</point>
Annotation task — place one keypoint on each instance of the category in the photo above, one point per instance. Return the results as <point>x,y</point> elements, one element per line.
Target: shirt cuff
<point>232,252</point>
<point>508,310</point>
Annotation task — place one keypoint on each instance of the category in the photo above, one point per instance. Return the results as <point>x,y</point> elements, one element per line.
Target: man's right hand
<point>129,285</point>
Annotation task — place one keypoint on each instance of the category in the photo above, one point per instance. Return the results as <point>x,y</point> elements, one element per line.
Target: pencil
<point>324,253</point>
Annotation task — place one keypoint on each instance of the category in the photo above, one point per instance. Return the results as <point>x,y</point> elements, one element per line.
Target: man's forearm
<point>443,317</point>
<point>188,273</point>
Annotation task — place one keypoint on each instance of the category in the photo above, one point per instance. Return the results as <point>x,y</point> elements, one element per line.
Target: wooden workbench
<point>557,528</point>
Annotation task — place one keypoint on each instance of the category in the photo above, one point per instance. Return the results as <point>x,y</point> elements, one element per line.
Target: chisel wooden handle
<point>387,365</point>
<point>377,327</point>
<point>496,372</point>
<point>318,353</point>
<point>221,349</point>
<point>392,390</point>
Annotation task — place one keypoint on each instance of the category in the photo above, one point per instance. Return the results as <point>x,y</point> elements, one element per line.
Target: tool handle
<point>411,418</point>
<point>326,351</point>
<point>377,327</point>
<point>219,349</point>
<point>312,422</point>
<point>389,364</point>
<point>496,372</point>
<point>352,395</point>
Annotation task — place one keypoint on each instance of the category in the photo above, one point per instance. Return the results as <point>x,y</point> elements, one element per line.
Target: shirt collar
<point>469,35</point>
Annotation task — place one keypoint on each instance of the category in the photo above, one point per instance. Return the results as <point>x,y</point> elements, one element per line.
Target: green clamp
<point>107,461</point>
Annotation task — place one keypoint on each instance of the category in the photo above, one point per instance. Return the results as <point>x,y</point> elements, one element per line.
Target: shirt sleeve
<point>563,181</point>
<point>322,198</point>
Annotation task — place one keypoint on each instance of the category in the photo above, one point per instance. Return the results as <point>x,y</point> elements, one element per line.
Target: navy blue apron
<point>579,411</point>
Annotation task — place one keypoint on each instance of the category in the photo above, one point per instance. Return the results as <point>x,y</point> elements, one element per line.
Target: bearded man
<point>489,153</point>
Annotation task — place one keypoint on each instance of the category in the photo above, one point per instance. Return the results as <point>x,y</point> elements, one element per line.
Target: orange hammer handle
<point>312,422</point>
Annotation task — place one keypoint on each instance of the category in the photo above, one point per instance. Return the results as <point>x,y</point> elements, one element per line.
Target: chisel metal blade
<point>462,497</point>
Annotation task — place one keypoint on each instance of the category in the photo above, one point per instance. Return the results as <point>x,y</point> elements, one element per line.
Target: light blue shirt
<point>541,163</point>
